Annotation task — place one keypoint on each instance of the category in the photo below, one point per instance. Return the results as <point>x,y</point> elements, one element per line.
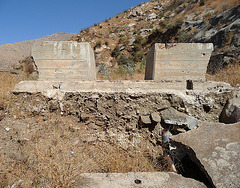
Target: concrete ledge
<point>117,86</point>
<point>138,179</point>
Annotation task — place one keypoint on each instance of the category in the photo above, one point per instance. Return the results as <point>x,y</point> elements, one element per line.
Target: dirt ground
<point>54,150</point>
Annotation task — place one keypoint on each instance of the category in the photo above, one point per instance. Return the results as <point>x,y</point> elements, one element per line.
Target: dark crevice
<point>190,167</point>
<point>206,108</point>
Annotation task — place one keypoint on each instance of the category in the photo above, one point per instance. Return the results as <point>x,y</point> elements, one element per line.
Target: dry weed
<point>229,74</point>
<point>51,157</point>
<point>7,83</point>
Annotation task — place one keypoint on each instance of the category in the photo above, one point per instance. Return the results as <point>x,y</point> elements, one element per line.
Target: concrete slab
<point>138,179</point>
<point>64,60</point>
<point>178,61</point>
<point>126,86</point>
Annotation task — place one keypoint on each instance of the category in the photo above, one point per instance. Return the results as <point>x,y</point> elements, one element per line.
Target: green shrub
<point>202,2</point>
<point>179,22</point>
<point>98,43</point>
<point>138,55</point>
<point>123,60</point>
<point>115,51</point>
<point>138,39</point>
<point>162,23</point>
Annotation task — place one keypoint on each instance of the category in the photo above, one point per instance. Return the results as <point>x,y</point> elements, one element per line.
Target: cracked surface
<point>217,147</point>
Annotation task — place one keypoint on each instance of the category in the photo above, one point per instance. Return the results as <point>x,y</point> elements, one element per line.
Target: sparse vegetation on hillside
<point>134,31</point>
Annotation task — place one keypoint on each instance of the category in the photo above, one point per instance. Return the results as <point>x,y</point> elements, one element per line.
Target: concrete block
<point>178,61</point>
<point>64,60</point>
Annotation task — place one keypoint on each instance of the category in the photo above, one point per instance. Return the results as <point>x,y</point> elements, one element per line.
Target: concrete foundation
<point>178,61</point>
<point>64,60</point>
<point>118,86</point>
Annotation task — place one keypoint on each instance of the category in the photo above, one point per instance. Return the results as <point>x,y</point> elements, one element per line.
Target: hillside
<point>11,54</point>
<point>122,42</point>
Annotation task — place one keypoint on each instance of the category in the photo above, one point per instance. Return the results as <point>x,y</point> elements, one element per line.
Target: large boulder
<point>138,179</point>
<point>215,148</point>
<point>231,110</point>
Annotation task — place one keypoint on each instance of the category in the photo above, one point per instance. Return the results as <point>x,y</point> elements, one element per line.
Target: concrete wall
<point>64,60</point>
<point>178,61</point>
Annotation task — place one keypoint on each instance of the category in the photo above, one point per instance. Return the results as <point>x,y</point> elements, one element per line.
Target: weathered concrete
<point>64,60</point>
<point>178,61</point>
<point>128,86</point>
<point>174,119</point>
<point>143,97</point>
<point>215,147</point>
<point>139,179</point>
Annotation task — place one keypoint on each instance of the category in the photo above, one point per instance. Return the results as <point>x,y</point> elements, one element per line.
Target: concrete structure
<point>178,61</point>
<point>138,179</point>
<point>64,60</point>
<point>125,86</point>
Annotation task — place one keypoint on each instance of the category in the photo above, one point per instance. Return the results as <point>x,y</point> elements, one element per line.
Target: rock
<point>7,129</point>
<point>54,94</point>
<point>100,123</point>
<point>135,12</point>
<point>233,27</point>
<point>131,41</point>
<point>226,16</point>
<point>145,120</point>
<point>121,48</point>
<point>174,118</point>
<point>199,24</point>
<point>231,110</point>
<point>84,117</point>
<point>131,24</point>
<point>215,147</point>
<point>112,35</point>
<point>152,16</point>
<point>138,179</point>
<point>145,32</point>
<point>14,71</point>
<point>155,117</point>
<point>53,106</point>
<point>172,15</point>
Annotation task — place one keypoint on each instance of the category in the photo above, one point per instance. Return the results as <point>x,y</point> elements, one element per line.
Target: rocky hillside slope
<point>11,54</point>
<point>122,42</point>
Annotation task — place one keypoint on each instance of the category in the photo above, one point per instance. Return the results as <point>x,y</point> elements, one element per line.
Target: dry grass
<point>57,151</point>
<point>229,74</point>
<point>7,83</point>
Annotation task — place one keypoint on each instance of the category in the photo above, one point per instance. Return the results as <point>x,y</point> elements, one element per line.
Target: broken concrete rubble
<point>173,119</point>
<point>139,179</point>
<point>155,117</point>
<point>215,148</point>
<point>144,97</point>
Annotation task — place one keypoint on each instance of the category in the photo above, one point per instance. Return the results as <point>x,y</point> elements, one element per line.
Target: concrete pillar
<point>178,61</point>
<point>64,60</point>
